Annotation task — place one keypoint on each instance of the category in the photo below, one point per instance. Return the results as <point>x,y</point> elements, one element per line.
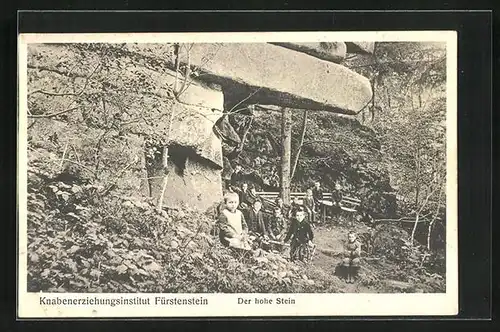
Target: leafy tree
<point>409,81</point>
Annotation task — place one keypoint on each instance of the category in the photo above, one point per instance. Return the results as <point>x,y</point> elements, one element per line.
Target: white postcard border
<point>34,305</point>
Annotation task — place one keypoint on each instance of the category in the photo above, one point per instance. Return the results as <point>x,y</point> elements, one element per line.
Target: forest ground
<point>375,272</point>
<point>79,243</point>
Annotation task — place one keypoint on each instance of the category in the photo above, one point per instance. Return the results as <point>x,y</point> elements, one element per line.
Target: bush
<point>78,242</point>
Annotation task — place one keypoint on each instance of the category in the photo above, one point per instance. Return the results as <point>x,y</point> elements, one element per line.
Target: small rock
<point>174,244</point>
<point>304,277</point>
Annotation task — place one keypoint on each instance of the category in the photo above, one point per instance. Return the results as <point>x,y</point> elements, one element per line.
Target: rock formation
<point>176,98</point>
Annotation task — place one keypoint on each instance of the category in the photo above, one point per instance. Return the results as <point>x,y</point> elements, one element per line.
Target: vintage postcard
<point>237,174</point>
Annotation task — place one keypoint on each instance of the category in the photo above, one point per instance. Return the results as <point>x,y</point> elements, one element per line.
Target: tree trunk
<point>417,178</point>
<point>299,148</point>
<point>286,142</point>
<point>414,228</point>
<point>164,165</point>
<point>434,219</point>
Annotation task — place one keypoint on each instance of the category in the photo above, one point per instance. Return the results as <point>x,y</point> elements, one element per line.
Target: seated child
<point>232,225</point>
<point>285,209</point>
<point>352,252</point>
<point>337,195</point>
<point>253,196</point>
<point>256,220</point>
<point>300,232</point>
<point>276,225</point>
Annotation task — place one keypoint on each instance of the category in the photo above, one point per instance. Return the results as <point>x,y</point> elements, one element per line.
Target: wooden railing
<point>349,204</point>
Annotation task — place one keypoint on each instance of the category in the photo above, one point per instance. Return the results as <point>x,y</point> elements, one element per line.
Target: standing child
<point>337,199</point>
<point>352,253</point>
<point>309,204</point>
<point>232,225</point>
<point>300,232</point>
<point>317,192</point>
<point>294,206</point>
<point>243,194</point>
<point>237,177</point>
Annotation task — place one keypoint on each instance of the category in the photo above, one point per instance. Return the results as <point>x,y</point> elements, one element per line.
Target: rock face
<point>130,89</point>
<point>134,89</point>
<point>274,75</point>
<point>195,115</point>
<point>360,47</point>
<point>195,156</point>
<point>333,52</point>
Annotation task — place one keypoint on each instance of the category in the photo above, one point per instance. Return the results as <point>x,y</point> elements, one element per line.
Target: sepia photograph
<point>273,165</point>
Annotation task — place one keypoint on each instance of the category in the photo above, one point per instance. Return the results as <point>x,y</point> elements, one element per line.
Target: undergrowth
<point>78,242</point>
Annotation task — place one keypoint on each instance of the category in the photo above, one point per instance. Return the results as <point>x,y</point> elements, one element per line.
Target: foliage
<point>414,262</point>
<point>79,243</point>
<point>409,81</point>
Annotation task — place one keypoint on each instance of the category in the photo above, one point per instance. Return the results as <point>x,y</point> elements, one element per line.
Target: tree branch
<point>87,79</point>
<point>53,114</point>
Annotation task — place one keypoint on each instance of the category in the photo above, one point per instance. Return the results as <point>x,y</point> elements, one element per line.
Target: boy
<point>285,209</point>
<point>317,193</point>
<point>336,199</point>
<point>337,195</point>
<point>256,220</point>
<point>252,196</point>
<point>352,252</point>
<point>309,204</point>
<point>300,232</point>
<point>232,225</point>
<point>294,206</point>
<point>277,225</point>
<point>243,194</point>
<point>236,177</point>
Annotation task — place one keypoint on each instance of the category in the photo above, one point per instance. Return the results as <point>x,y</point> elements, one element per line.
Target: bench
<point>347,204</point>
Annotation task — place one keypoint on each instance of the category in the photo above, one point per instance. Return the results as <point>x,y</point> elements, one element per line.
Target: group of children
<point>242,215</point>
<point>235,225</point>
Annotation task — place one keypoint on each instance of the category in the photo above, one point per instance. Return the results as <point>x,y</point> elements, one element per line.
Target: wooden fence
<point>347,204</point>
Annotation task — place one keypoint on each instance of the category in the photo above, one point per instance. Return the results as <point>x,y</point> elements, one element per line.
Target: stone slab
<point>332,51</point>
<point>269,74</point>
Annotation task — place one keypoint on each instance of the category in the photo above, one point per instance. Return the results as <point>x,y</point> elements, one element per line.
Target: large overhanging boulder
<point>269,74</point>
<point>333,52</point>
